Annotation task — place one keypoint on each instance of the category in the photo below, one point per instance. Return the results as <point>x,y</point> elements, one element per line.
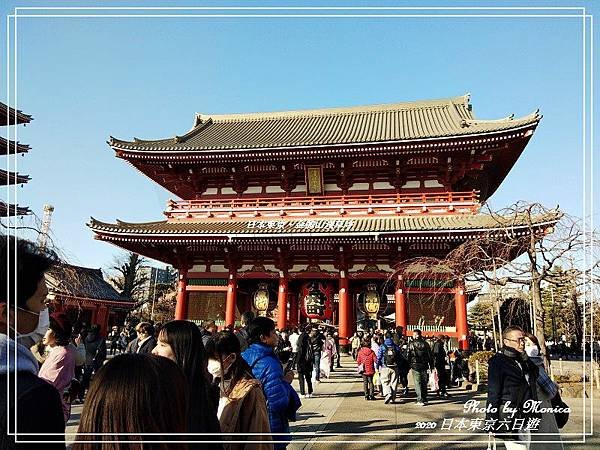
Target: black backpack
<point>390,358</point>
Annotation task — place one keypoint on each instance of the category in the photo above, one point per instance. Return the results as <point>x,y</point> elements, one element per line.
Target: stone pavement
<point>338,416</point>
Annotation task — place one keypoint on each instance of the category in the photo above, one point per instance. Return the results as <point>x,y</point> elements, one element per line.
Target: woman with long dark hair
<point>134,393</point>
<point>242,404</point>
<point>181,342</point>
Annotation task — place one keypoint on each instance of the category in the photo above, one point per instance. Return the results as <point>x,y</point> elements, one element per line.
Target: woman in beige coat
<point>242,405</point>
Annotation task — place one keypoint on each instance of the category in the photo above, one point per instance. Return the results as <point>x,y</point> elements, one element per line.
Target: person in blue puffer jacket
<point>282,399</point>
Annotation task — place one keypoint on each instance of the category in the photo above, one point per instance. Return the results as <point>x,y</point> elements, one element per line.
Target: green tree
<point>480,314</point>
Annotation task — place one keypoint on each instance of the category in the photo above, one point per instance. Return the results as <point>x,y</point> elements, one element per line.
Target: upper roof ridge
<point>200,118</point>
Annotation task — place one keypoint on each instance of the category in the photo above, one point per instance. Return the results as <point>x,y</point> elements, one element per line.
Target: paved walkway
<point>338,416</point>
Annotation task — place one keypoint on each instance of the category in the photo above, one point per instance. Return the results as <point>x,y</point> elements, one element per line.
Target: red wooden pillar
<point>460,304</point>
<point>94,320</point>
<point>293,309</point>
<point>282,298</point>
<point>182,297</point>
<point>231,299</point>
<point>102,319</point>
<point>400,298</point>
<point>345,313</point>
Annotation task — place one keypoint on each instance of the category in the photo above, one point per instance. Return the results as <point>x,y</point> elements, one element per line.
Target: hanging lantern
<point>317,300</point>
<point>371,303</point>
<point>262,299</point>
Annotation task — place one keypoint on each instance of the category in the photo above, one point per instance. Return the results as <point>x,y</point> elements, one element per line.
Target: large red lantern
<point>317,300</point>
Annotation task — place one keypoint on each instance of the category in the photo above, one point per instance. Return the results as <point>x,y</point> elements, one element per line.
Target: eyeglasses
<point>516,340</point>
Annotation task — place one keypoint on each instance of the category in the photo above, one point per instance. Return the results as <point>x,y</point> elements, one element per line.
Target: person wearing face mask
<point>512,381</point>
<point>30,339</point>
<point>242,405</point>
<point>546,390</point>
<point>38,408</point>
<point>181,341</point>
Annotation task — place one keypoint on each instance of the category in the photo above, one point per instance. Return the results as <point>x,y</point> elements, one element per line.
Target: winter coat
<point>440,355</point>
<point>548,421</point>
<point>245,411</point>
<point>95,350</point>
<point>316,341</point>
<point>507,382</point>
<point>132,346</point>
<point>388,343</point>
<point>419,355</point>
<point>206,336</point>
<point>147,346</point>
<point>39,407</point>
<point>59,370</point>
<point>242,335</point>
<point>367,357</point>
<point>304,354</point>
<point>282,400</point>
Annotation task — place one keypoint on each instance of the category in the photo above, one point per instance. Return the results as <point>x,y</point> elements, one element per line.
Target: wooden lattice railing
<point>325,205</point>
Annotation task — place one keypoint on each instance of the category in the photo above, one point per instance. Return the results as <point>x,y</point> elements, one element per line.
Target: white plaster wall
<point>359,187</point>
<point>332,188</point>
<point>412,184</point>
<point>382,185</point>
<point>433,183</point>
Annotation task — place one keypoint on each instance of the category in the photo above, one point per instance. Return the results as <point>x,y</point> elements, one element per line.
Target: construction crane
<point>43,237</point>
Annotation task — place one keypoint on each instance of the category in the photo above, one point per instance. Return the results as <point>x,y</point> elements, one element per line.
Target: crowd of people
<point>386,358</point>
<point>184,382</point>
<point>173,382</point>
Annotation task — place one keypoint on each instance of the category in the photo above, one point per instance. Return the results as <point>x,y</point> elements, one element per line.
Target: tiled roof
<point>10,147</point>
<point>12,178</point>
<point>8,116</point>
<point>352,125</point>
<point>339,227</point>
<point>7,209</point>
<point>83,282</point>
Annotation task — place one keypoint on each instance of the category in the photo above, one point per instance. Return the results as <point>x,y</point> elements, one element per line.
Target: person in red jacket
<point>366,356</point>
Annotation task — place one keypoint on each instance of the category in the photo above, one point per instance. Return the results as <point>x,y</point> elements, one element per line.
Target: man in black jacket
<point>420,360</point>
<point>38,408</point>
<point>305,360</point>
<point>145,340</point>
<point>316,341</point>
<point>511,382</point>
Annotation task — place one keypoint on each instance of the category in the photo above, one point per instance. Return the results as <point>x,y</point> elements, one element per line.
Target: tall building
<point>154,276</point>
<point>281,211</point>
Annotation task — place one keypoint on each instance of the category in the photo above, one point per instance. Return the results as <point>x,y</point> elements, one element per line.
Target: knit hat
<point>63,323</point>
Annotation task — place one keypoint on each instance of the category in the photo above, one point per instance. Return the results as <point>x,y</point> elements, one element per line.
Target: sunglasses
<point>516,340</point>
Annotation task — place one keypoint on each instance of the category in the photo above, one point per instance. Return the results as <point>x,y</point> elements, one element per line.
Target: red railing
<point>341,203</point>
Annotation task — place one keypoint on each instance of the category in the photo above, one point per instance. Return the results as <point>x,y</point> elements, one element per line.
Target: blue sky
<point>84,79</point>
